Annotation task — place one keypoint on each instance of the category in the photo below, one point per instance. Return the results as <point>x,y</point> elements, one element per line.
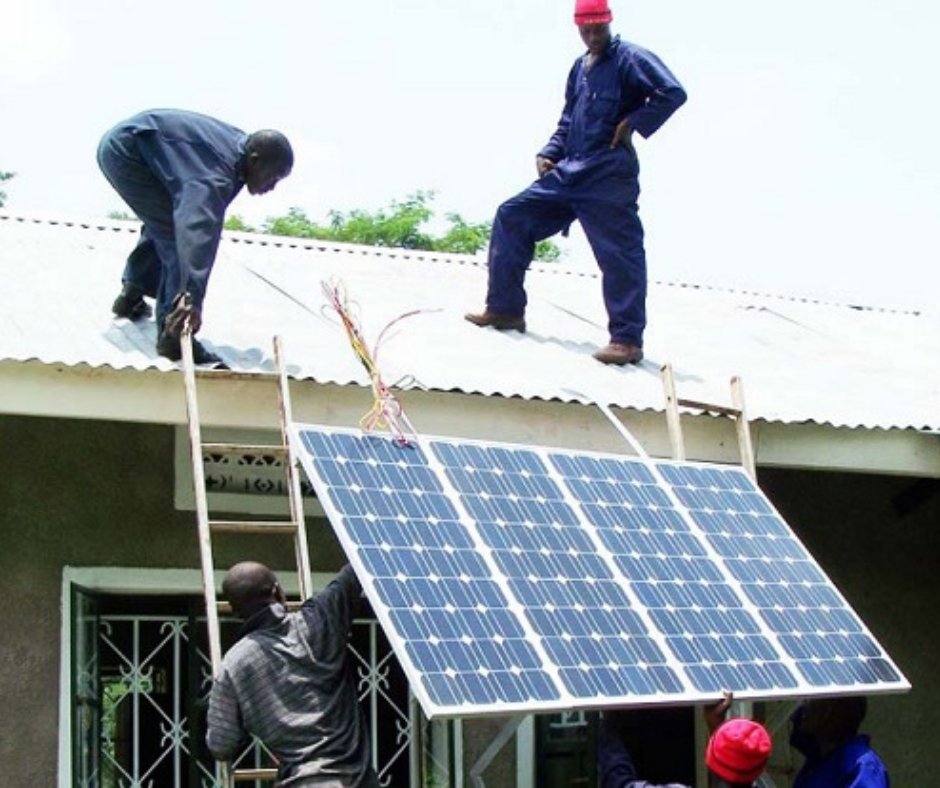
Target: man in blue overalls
<point>178,171</point>
<point>589,171</point>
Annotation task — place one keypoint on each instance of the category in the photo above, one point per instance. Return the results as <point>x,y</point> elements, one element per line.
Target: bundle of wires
<point>386,412</point>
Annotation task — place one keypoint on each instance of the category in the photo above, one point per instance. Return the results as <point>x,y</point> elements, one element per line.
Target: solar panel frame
<point>478,485</point>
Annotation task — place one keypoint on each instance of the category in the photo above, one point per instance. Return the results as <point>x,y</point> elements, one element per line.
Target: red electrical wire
<point>386,412</point>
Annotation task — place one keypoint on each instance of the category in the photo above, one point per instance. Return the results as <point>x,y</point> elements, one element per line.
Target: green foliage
<point>547,252</point>
<point>121,216</point>
<point>235,222</point>
<point>295,224</point>
<point>401,225</point>
<point>463,237</point>
<point>397,226</point>
<point>4,176</point>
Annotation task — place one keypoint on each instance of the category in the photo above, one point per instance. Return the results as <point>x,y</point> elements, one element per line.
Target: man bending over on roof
<point>737,752</point>
<point>289,681</point>
<point>178,171</point>
<point>589,171</point>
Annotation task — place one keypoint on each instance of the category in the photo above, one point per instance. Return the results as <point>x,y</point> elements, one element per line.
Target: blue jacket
<point>625,82</point>
<point>853,765</point>
<point>199,161</point>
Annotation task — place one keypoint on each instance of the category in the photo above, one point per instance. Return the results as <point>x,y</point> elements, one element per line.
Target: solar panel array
<point>521,579</point>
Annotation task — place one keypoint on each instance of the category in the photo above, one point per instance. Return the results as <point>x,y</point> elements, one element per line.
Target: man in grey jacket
<point>288,681</point>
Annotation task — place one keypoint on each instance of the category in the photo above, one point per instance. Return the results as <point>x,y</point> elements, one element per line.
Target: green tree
<point>4,176</point>
<point>463,237</point>
<point>401,225</point>
<point>121,216</point>
<point>235,222</point>
<point>547,251</point>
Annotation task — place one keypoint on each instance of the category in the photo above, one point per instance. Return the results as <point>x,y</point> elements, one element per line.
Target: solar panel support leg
<point>492,750</point>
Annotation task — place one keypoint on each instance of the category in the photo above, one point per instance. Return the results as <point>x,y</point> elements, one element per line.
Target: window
<point>140,682</point>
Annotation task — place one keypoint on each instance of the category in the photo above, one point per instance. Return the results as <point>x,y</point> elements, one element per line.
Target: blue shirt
<point>853,765</point>
<point>625,81</point>
<point>199,161</point>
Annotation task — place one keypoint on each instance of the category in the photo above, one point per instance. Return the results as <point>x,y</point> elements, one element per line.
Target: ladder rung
<point>253,526</point>
<point>233,374</point>
<point>722,410</point>
<point>247,775</point>
<point>226,609</point>
<point>243,448</point>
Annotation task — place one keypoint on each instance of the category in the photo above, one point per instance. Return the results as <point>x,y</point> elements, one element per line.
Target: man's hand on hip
<point>543,165</point>
<point>623,135</point>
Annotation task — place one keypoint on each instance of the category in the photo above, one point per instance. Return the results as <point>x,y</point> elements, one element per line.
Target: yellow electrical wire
<point>386,412</point>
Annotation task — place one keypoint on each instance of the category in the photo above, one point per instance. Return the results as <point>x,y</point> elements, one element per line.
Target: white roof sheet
<point>800,360</point>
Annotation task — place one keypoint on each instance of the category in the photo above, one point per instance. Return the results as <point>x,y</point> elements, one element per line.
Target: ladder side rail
<point>748,459</point>
<point>202,519</point>
<point>673,419</point>
<point>285,416</point>
<point>202,504</point>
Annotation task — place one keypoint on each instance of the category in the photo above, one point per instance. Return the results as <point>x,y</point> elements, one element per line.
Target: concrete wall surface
<point>85,493</point>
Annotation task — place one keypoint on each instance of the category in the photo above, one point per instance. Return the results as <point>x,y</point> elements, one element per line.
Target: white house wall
<point>54,390</point>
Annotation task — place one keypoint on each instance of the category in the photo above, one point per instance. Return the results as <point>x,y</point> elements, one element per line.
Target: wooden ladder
<point>294,526</point>
<point>736,411</point>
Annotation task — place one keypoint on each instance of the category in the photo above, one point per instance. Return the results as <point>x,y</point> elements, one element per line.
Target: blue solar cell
<point>504,536</point>
<point>456,690</point>
<point>544,579</point>
<point>373,531</point>
<point>665,564</point>
<point>778,576</point>
<point>395,592</point>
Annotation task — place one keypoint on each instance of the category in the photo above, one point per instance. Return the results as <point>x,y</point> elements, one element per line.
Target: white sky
<point>806,162</point>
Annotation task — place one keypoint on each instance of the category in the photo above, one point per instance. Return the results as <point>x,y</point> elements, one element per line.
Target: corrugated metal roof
<point>800,360</point>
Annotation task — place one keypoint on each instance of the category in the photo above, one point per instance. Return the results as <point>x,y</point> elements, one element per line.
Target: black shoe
<point>130,303</point>
<point>169,347</point>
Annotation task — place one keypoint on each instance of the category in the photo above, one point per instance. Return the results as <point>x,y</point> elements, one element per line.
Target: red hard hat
<point>592,12</point>
<point>738,751</point>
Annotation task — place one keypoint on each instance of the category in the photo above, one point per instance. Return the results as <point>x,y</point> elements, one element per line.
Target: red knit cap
<point>591,12</point>
<point>738,751</point>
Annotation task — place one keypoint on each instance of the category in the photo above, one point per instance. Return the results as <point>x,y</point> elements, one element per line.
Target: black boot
<point>169,347</point>
<point>130,303</point>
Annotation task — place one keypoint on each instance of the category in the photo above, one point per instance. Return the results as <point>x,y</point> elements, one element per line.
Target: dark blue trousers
<point>600,192</point>
<point>153,265</point>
